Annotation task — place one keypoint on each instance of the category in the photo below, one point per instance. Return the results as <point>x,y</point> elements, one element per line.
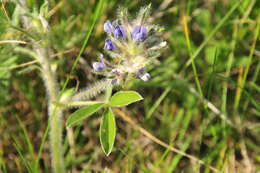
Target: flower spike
<point>132,45</point>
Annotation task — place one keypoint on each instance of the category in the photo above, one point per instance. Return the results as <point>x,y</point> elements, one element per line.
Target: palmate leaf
<point>107,131</point>
<point>83,113</point>
<point>123,98</point>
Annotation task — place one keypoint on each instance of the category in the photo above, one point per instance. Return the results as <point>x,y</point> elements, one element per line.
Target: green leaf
<point>107,132</point>
<point>123,98</point>
<point>83,113</point>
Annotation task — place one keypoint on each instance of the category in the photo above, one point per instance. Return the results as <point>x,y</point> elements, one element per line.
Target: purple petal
<point>119,32</point>
<point>109,45</point>
<point>136,30</point>
<point>98,66</point>
<point>108,28</point>
<point>139,33</point>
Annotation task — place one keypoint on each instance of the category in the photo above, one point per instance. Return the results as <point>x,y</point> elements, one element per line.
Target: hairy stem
<point>42,52</point>
<point>55,112</point>
<point>92,91</point>
<point>56,140</point>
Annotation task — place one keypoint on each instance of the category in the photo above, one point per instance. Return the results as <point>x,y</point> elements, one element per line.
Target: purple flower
<point>119,32</point>
<point>98,66</point>
<point>109,45</point>
<point>108,27</point>
<point>139,33</point>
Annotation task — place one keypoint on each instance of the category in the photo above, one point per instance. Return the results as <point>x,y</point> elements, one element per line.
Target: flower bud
<point>109,45</point>
<point>108,27</point>
<point>98,66</point>
<point>119,32</point>
<point>139,33</point>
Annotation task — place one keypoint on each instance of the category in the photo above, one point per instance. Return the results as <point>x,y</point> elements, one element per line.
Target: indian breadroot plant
<point>131,45</point>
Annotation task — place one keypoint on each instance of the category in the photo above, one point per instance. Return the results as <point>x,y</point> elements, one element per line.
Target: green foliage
<point>107,132</point>
<point>83,113</point>
<point>124,98</point>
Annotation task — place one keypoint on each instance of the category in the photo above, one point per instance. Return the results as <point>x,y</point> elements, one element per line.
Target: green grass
<point>203,97</point>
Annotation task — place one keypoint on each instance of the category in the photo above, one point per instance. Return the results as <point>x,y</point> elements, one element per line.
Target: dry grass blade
<point>20,65</point>
<point>13,41</point>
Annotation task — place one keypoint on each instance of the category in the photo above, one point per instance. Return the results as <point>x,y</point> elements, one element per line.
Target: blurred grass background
<point>203,98</point>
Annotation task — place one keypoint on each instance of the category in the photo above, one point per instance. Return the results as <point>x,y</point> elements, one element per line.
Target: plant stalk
<point>42,52</point>
<point>55,112</point>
